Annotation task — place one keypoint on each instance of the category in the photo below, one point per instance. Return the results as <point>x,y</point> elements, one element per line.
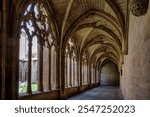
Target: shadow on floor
<point>100,93</point>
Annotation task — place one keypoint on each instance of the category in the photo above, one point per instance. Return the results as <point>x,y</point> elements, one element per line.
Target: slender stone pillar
<point>62,74</point>
<point>29,67</point>
<point>3,46</point>
<point>72,71</point>
<point>90,80</point>
<point>40,76</point>
<point>66,68</point>
<point>57,70</point>
<point>70,63</point>
<point>74,74</point>
<point>49,70</point>
<point>78,71</point>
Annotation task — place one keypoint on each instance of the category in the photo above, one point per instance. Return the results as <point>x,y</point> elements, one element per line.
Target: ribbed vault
<point>97,26</point>
<point>88,34</point>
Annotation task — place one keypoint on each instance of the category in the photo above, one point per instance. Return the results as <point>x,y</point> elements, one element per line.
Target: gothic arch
<point>74,27</point>
<point>46,44</point>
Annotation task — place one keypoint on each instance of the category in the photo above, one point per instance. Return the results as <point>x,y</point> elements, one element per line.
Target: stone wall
<point>109,75</point>
<point>135,80</point>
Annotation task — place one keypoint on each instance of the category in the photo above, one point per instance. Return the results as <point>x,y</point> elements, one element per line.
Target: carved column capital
<point>139,7</point>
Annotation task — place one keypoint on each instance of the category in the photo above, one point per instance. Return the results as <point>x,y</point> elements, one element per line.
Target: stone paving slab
<point>100,93</point>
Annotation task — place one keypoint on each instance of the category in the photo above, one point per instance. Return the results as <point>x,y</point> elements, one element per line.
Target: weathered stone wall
<point>110,75</point>
<point>135,80</point>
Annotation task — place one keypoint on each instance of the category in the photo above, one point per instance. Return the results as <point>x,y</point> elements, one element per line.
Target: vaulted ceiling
<point>97,26</point>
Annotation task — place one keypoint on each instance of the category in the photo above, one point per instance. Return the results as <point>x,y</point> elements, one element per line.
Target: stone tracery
<point>67,44</point>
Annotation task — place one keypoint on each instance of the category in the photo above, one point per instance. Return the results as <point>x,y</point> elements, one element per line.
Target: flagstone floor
<point>100,93</point>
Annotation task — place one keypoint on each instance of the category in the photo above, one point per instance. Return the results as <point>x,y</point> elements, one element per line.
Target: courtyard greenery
<point>23,87</point>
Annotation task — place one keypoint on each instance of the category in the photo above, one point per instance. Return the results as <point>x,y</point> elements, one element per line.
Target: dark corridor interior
<point>109,75</point>
<point>109,88</point>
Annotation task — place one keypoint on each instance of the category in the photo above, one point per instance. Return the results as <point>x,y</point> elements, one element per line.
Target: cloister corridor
<point>100,93</point>
<point>74,49</point>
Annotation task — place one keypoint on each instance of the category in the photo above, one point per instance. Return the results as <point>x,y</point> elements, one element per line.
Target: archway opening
<point>109,75</point>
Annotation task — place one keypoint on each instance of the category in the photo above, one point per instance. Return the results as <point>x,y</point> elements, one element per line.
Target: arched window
<point>70,65</point>
<point>84,70</point>
<point>37,54</point>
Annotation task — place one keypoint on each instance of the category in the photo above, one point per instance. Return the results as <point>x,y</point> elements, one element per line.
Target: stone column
<point>74,74</point>
<point>72,71</point>
<point>62,73</point>
<point>3,46</point>
<point>70,64</point>
<point>76,77</point>
<point>57,71</point>
<point>53,70</point>
<point>83,70</point>
<point>95,74</point>
<point>85,76</point>
<point>89,74</point>
<point>80,70</point>
<point>49,70</point>
<point>68,71</point>
<point>66,68</point>
<point>40,67</point>
<point>99,77</point>
<point>29,90</point>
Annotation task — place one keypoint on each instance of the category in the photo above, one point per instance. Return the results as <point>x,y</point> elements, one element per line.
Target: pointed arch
<point>36,24</point>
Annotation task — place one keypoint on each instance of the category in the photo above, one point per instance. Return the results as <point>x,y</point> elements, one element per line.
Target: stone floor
<point>100,93</point>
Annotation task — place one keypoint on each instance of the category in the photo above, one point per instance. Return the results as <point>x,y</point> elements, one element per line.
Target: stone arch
<point>90,12</point>
<point>52,29</point>
<point>109,73</point>
<point>70,64</point>
<point>101,39</point>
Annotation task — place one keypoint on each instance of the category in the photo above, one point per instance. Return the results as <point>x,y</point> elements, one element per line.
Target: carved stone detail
<point>139,7</point>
